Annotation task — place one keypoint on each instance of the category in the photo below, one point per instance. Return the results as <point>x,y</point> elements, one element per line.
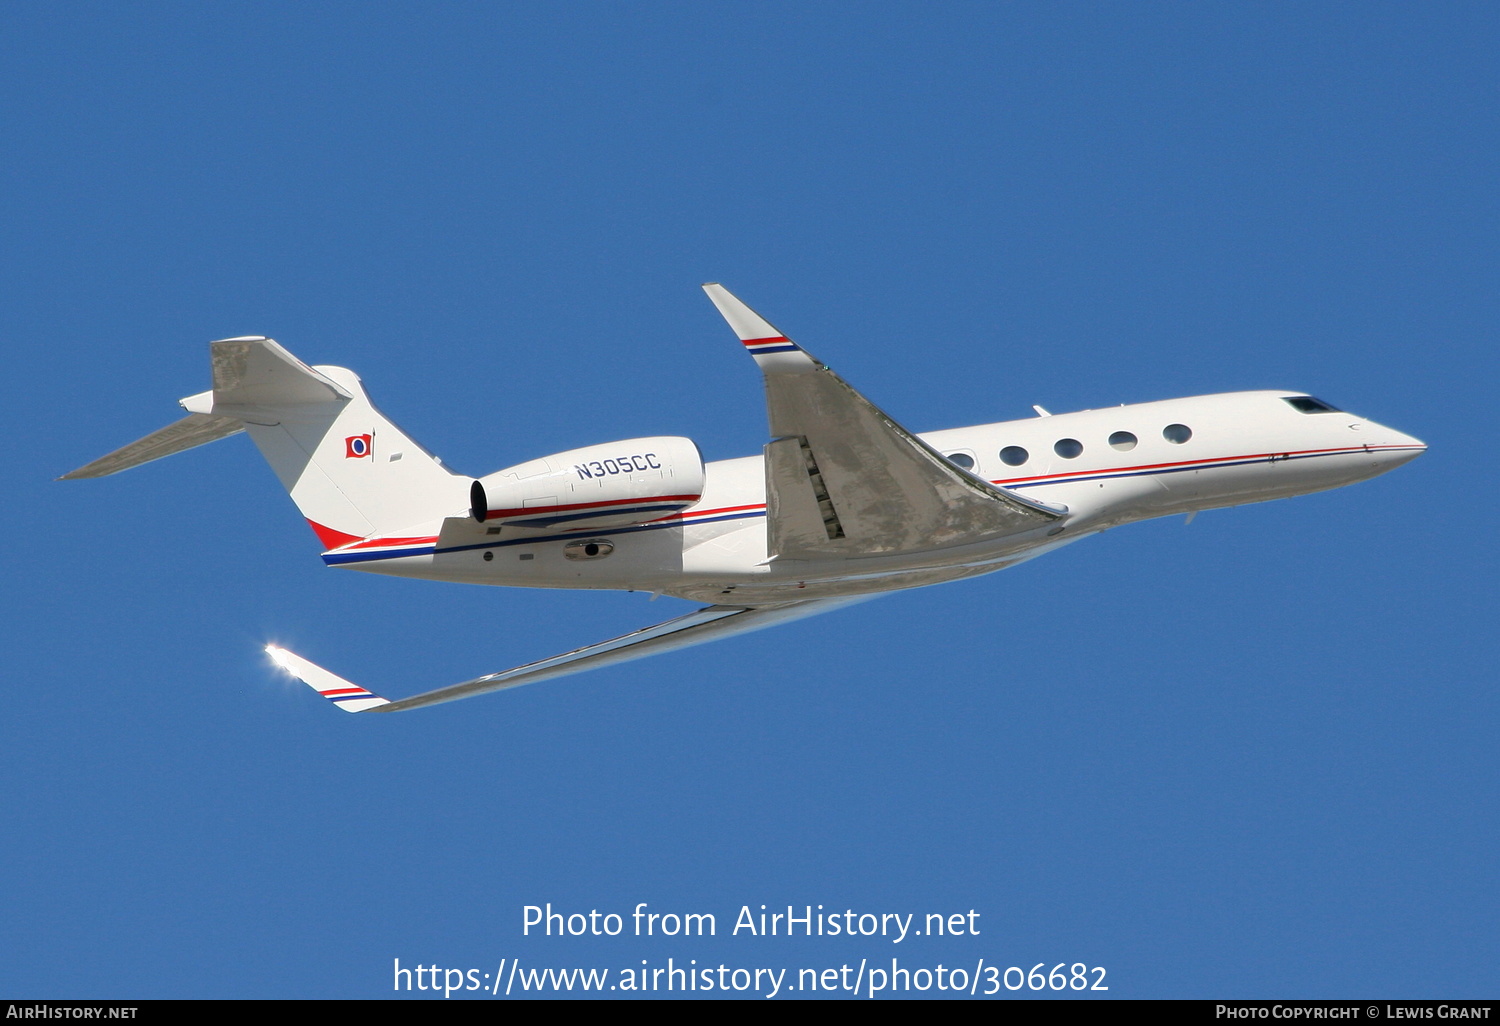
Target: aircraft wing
<point>708,624</point>
<point>845,480</point>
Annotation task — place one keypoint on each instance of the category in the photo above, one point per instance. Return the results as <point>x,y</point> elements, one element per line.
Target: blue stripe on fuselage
<point>345,558</point>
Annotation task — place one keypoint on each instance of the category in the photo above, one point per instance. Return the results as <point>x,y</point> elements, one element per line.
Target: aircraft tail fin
<point>350,470</point>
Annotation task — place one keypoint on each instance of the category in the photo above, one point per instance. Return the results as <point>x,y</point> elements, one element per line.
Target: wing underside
<point>708,624</point>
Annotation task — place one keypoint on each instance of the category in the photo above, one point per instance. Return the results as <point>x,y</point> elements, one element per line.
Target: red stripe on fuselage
<point>372,543</point>
<point>1188,463</point>
<point>330,538</point>
<point>695,513</point>
<point>531,510</point>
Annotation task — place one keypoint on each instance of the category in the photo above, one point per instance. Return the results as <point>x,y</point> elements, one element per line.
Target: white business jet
<point>844,503</point>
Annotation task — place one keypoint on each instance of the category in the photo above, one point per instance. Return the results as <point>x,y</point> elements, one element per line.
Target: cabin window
<point>1177,433</point>
<point>1307,404</point>
<point>961,459</point>
<point>1068,448</point>
<point>1014,456</point>
<point>1122,440</point>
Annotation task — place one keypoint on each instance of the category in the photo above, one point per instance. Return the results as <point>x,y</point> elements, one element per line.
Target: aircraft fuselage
<point>1106,467</point>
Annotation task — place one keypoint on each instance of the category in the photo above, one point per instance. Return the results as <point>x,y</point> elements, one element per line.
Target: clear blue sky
<point>1253,756</point>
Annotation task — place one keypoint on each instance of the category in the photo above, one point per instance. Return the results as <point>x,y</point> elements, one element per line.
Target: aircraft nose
<point>1392,447</point>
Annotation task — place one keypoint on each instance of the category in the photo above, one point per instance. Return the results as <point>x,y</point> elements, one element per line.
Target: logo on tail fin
<point>356,447</point>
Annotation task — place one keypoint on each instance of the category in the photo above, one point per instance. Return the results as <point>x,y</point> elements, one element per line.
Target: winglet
<point>347,696</point>
<point>770,347</point>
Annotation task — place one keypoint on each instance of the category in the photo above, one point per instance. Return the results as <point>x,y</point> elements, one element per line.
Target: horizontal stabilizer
<point>188,433</point>
<point>255,371</point>
<point>708,624</point>
<point>248,372</point>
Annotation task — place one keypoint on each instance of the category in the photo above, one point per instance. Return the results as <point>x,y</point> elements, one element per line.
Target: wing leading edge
<point>844,480</point>
<point>708,624</point>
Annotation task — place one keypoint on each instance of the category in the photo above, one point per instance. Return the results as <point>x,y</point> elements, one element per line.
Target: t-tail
<point>351,472</point>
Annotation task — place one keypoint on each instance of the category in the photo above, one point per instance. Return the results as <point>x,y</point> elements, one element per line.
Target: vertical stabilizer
<point>352,472</point>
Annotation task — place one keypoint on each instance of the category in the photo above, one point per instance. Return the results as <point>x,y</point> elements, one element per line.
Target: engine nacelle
<point>611,485</point>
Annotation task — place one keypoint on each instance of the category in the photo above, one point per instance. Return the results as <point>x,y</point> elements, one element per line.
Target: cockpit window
<point>1307,404</point>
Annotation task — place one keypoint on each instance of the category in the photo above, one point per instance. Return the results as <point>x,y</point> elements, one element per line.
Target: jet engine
<point>611,485</point>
